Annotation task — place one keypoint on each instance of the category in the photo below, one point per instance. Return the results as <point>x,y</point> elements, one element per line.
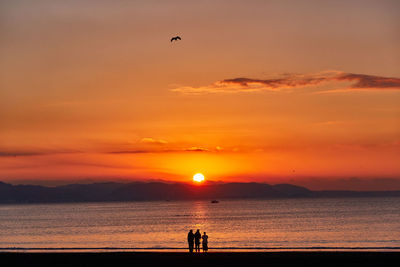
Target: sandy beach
<point>209,259</point>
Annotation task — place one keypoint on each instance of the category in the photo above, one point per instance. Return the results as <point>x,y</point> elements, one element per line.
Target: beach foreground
<point>210,259</point>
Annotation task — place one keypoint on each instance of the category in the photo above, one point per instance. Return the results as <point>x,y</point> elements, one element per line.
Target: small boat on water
<point>214,201</point>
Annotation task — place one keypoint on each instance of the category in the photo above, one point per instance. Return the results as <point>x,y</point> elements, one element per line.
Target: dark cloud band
<point>287,81</point>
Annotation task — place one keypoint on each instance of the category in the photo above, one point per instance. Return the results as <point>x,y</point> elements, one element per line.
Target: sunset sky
<point>300,92</point>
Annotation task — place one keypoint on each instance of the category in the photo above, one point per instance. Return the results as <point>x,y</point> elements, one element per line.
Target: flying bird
<point>176,38</point>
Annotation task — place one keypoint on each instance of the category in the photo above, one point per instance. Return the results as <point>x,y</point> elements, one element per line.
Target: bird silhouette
<point>176,38</point>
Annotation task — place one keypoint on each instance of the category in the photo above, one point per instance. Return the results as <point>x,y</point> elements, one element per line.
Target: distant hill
<point>98,192</point>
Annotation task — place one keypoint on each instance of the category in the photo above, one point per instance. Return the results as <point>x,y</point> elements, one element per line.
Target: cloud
<point>197,149</point>
<point>20,153</point>
<point>174,150</point>
<point>363,81</point>
<point>177,150</point>
<point>290,81</point>
<point>149,140</point>
<point>133,152</point>
<point>329,123</point>
<point>28,153</point>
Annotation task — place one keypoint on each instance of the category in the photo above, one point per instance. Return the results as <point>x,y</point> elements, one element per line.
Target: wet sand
<point>115,259</point>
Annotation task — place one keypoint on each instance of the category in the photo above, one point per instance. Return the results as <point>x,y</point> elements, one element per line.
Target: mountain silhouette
<point>142,191</point>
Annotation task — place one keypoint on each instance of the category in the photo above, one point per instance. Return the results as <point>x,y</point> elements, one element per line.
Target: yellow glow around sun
<point>198,177</point>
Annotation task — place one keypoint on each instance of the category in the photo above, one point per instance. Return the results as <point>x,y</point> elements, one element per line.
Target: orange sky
<point>303,92</point>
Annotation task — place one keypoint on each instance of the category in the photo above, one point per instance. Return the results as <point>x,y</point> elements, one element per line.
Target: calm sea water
<point>246,224</point>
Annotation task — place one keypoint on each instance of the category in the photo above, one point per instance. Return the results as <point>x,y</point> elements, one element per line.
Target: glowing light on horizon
<point>198,177</point>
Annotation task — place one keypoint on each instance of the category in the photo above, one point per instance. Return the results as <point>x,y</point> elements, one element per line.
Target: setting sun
<point>198,177</point>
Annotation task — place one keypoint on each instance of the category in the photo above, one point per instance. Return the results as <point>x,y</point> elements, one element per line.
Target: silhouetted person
<point>205,242</point>
<point>197,237</point>
<point>190,238</point>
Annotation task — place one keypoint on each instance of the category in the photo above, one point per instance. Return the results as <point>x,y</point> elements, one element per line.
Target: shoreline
<point>210,259</point>
<point>185,250</point>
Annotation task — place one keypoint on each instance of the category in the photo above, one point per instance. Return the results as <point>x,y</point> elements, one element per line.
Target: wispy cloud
<point>197,149</point>
<point>133,151</point>
<point>330,123</point>
<point>171,150</point>
<point>20,153</point>
<point>160,147</point>
<point>363,81</point>
<point>290,81</point>
<point>176,150</point>
<point>28,153</point>
<point>149,140</point>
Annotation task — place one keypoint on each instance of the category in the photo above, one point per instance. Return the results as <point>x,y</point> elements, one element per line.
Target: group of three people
<point>194,241</point>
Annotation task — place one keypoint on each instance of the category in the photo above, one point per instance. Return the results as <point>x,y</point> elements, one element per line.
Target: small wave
<point>211,248</point>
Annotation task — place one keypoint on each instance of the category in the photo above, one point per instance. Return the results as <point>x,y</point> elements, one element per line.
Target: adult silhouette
<point>190,238</point>
<point>205,242</point>
<point>197,237</point>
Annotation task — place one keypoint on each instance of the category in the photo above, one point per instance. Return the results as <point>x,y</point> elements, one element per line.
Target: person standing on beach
<point>205,242</point>
<point>197,237</point>
<point>190,238</point>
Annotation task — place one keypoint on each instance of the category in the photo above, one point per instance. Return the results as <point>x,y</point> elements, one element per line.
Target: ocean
<point>236,225</point>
